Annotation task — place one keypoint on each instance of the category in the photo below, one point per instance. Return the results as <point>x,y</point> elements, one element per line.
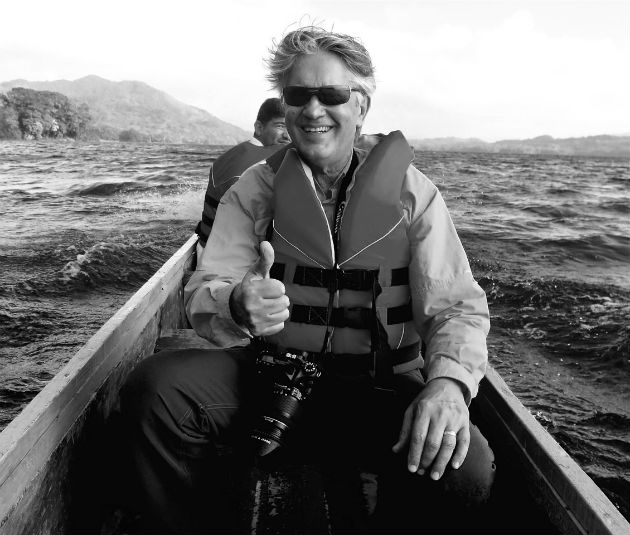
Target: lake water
<point>82,226</point>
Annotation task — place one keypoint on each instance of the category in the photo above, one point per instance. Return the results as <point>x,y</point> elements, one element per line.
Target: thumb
<point>260,270</point>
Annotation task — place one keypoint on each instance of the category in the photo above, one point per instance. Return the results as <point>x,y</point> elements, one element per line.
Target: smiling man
<point>327,266</point>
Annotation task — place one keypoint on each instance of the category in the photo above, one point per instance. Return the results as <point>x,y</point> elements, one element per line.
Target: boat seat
<point>182,339</point>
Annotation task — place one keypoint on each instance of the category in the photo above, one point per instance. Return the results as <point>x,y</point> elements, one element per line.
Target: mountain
<point>604,145</point>
<point>137,108</point>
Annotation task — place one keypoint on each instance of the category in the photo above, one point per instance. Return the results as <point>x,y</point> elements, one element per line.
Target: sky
<point>494,69</point>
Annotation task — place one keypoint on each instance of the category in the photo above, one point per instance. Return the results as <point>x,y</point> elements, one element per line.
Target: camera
<point>288,379</point>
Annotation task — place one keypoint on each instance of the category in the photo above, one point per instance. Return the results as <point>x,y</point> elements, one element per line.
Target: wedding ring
<point>452,433</point>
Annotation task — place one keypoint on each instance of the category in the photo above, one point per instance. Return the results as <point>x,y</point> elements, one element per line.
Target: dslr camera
<point>288,379</point>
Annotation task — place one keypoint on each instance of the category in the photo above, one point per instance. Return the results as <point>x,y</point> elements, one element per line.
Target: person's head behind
<point>326,80</point>
<point>269,127</point>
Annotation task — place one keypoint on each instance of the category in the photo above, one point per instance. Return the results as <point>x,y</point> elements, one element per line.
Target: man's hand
<point>436,428</point>
<point>258,302</point>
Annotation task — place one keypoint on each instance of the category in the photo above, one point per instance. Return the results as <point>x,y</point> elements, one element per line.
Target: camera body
<point>288,379</point>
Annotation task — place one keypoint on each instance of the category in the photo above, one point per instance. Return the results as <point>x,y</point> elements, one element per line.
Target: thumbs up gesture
<point>259,302</point>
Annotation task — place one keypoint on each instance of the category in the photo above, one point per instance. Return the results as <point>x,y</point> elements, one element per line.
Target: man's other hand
<point>259,302</point>
<point>436,428</point>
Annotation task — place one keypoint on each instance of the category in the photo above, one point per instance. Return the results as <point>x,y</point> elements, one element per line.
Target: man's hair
<point>312,39</point>
<point>270,109</point>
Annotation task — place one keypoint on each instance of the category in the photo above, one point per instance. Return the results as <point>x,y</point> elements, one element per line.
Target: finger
<point>267,288</point>
<point>268,321</point>
<point>278,317</point>
<point>449,441</point>
<point>268,331</point>
<point>432,445</point>
<point>261,268</point>
<point>405,429</point>
<point>277,305</point>
<point>463,441</point>
<point>417,443</point>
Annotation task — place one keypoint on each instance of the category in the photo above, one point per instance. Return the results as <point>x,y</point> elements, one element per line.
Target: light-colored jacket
<point>450,310</point>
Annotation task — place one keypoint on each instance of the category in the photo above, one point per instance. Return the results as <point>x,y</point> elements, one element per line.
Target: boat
<point>52,455</point>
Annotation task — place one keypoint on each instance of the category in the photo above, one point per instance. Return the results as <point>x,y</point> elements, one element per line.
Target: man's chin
<point>312,152</point>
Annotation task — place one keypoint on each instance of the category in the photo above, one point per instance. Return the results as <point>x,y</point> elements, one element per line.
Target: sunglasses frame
<point>317,91</point>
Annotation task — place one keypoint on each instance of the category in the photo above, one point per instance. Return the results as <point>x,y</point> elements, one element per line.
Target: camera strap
<point>382,367</point>
<point>340,205</point>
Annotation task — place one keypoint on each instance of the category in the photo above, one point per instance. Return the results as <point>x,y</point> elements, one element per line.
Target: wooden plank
<point>28,442</point>
<point>182,339</point>
<point>573,500</point>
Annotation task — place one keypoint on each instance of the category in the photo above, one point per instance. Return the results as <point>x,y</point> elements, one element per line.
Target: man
<point>346,259</point>
<point>270,133</point>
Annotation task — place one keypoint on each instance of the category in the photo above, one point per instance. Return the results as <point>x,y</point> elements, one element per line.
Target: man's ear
<point>364,104</point>
<point>258,128</point>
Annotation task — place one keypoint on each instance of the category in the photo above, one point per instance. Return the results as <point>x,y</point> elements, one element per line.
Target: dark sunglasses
<point>328,95</point>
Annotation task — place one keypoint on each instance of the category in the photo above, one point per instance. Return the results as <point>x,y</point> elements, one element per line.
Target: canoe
<point>51,455</point>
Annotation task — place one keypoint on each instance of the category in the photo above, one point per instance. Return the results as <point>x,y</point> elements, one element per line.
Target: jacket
<point>449,309</point>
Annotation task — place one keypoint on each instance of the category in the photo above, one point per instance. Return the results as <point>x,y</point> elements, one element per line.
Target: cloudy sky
<point>492,69</point>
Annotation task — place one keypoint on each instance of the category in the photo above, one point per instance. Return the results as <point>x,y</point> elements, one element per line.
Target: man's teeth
<point>320,129</point>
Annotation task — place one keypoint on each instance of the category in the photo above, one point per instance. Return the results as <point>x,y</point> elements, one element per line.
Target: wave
<point>105,189</point>
<point>22,323</point>
<point>589,322</point>
<point>553,212</point>
<point>110,264</point>
<point>599,247</point>
<point>612,420</point>
<point>618,205</point>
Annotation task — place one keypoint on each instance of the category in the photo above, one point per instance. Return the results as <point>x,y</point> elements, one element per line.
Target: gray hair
<point>312,39</point>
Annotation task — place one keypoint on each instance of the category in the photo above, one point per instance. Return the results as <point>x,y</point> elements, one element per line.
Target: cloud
<point>511,78</point>
<point>483,69</point>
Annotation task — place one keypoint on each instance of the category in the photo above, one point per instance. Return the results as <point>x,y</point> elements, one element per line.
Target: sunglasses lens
<point>330,95</point>
<point>295,95</point>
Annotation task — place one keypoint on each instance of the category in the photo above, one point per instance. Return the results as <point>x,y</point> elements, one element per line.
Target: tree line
<point>30,114</point>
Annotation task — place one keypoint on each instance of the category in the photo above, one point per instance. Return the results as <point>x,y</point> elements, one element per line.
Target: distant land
<point>135,111</point>
<point>603,145</point>
<point>138,111</point>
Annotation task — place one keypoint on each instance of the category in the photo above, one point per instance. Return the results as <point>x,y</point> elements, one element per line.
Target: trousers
<point>180,408</point>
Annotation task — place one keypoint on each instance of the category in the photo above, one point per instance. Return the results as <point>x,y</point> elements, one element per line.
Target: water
<point>82,226</point>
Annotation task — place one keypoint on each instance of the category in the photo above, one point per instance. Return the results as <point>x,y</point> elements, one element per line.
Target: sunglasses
<point>328,95</point>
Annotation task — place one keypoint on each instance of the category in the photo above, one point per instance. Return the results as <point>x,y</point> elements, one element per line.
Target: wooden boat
<point>50,454</point>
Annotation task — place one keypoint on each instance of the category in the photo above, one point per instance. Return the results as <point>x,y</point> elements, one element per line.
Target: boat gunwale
<point>580,505</point>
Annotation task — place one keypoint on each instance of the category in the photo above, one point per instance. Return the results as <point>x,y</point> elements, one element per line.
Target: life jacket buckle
<point>334,280</point>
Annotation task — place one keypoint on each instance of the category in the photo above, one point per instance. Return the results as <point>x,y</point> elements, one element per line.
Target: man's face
<point>324,135</point>
<point>272,132</point>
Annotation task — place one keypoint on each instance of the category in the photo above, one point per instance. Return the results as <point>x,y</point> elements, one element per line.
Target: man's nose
<point>314,108</point>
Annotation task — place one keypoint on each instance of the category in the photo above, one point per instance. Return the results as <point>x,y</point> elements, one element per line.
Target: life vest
<point>225,171</point>
<point>336,292</point>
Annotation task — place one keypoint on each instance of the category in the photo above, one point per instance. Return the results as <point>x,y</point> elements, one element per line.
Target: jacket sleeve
<point>449,307</point>
<point>239,227</point>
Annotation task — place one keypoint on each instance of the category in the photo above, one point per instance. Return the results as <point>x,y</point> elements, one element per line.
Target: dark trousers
<point>180,407</point>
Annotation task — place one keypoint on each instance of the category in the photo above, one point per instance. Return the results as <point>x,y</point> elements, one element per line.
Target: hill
<point>604,145</point>
<point>138,111</point>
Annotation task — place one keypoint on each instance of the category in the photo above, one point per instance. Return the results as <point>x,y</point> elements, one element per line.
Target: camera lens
<point>274,422</point>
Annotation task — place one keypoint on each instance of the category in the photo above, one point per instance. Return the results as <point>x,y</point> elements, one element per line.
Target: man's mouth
<point>316,129</point>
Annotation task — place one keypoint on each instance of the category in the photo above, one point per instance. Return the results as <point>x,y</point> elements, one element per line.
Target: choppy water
<point>82,226</point>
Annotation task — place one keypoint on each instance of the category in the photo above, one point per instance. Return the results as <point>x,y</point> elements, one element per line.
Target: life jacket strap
<point>354,317</point>
<point>339,279</point>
